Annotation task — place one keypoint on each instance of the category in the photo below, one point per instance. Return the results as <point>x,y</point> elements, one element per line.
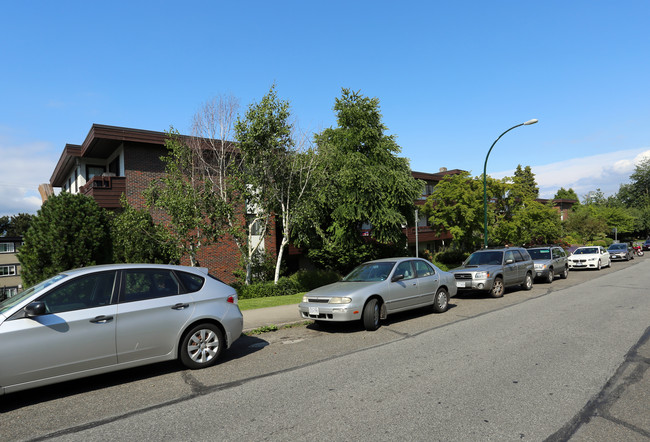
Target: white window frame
<point>7,247</point>
<point>11,270</point>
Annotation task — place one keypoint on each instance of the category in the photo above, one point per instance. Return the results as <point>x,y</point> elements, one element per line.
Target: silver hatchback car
<point>103,318</point>
<point>377,288</point>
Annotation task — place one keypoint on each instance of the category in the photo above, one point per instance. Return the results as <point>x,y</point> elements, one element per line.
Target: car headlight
<point>591,259</point>
<point>340,300</point>
<point>481,275</point>
<point>305,299</point>
<point>540,266</point>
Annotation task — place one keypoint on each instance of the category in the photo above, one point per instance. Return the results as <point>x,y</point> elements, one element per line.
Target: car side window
<point>87,291</point>
<point>423,269</point>
<point>518,256</point>
<point>405,268</point>
<point>192,283</point>
<point>141,284</point>
<point>510,256</point>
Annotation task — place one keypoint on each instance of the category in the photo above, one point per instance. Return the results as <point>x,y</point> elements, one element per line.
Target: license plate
<point>313,311</point>
<point>460,283</point>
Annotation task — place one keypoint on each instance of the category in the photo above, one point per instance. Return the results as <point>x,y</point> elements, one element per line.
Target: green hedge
<point>302,281</point>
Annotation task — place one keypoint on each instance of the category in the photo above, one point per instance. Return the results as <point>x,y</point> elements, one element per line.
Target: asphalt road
<point>530,366</point>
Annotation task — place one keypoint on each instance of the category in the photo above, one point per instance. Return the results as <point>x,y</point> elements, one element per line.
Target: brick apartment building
<point>115,160</point>
<point>10,279</point>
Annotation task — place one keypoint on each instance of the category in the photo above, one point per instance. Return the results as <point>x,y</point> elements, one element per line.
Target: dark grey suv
<point>492,270</point>
<point>549,261</point>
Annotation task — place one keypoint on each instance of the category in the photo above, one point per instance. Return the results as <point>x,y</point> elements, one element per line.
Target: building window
<point>92,171</point>
<point>8,270</point>
<point>7,247</point>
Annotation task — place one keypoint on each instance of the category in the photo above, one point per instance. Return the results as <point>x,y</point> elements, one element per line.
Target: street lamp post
<point>485,236</point>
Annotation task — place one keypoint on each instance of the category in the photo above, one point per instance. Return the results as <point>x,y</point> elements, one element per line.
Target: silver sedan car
<point>378,288</point>
<point>103,318</point>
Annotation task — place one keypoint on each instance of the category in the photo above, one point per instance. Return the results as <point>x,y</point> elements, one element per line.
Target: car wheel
<point>497,288</point>
<point>565,273</point>
<point>441,301</point>
<point>528,282</point>
<point>371,315</point>
<point>201,346</point>
<point>598,267</point>
<point>551,274</point>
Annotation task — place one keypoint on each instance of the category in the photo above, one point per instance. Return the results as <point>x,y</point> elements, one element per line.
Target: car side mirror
<point>396,278</point>
<point>509,261</point>
<point>36,308</point>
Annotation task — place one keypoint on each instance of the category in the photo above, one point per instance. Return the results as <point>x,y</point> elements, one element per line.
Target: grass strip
<point>269,301</point>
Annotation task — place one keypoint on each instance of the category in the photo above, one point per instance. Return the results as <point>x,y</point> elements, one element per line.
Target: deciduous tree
<point>363,185</point>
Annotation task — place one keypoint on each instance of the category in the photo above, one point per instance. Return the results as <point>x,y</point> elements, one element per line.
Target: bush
<point>307,280</point>
<point>599,242</point>
<point>450,256</point>
<point>285,286</point>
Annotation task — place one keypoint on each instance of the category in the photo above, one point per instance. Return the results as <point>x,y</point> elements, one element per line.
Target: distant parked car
<point>492,270</point>
<point>620,251</point>
<point>378,288</point>
<point>589,257</point>
<point>646,245</point>
<point>105,318</point>
<point>549,262</point>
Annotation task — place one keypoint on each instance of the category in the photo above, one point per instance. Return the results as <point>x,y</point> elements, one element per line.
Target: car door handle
<point>180,306</point>
<point>102,319</point>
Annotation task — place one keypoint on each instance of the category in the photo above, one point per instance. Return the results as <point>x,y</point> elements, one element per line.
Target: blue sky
<point>450,77</point>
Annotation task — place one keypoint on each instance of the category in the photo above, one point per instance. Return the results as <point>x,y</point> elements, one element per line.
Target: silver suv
<point>549,261</point>
<point>492,270</point>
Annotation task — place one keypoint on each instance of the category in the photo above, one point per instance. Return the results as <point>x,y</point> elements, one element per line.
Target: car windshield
<point>10,302</point>
<point>617,247</point>
<point>371,271</point>
<point>540,253</point>
<point>586,251</point>
<point>492,257</point>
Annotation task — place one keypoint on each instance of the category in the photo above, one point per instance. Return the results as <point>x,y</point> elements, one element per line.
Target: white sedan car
<point>589,257</point>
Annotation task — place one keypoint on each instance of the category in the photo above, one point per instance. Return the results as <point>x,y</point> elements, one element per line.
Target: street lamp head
<point>529,122</point>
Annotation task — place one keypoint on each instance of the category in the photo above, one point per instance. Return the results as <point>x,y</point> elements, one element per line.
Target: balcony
<point>106,190</point>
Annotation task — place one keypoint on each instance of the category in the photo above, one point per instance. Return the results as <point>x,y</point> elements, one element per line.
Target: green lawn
<point>270,301</point>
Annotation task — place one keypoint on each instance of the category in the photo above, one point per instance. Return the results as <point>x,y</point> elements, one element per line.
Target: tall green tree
<point>278,173</point>
<point>524,187</point>
<point>364,187</point>
<point>69,231</point>
<point>566,194</point>
<point>533,223</point>
<point>15,225</point>
<point>195,217</point>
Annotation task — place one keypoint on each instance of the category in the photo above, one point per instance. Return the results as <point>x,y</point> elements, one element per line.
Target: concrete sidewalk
<point>263,317</point>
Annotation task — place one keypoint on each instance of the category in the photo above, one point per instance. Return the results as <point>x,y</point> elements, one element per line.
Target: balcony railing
<point>106,190</point>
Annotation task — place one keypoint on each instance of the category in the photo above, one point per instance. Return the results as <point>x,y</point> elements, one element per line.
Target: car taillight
<point>231,299</point>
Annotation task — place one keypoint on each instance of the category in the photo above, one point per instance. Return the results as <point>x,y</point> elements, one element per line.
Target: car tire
<point>528,282</point>
<point>497,288</point>
<point>441,301</point>
<point>551,275</point>
<point>371,315</point>
<point>201,346</point>
<point>598,267</point>
<point>565,273</point>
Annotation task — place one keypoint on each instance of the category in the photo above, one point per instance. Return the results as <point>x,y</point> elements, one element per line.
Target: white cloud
<point>24,166</point>
<point>603,171</point>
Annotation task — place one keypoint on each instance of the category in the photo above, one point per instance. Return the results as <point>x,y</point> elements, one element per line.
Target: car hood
<point>344,288</point>
<point>483,268</point>
<point>585,256</point>
<point>542,261</point>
